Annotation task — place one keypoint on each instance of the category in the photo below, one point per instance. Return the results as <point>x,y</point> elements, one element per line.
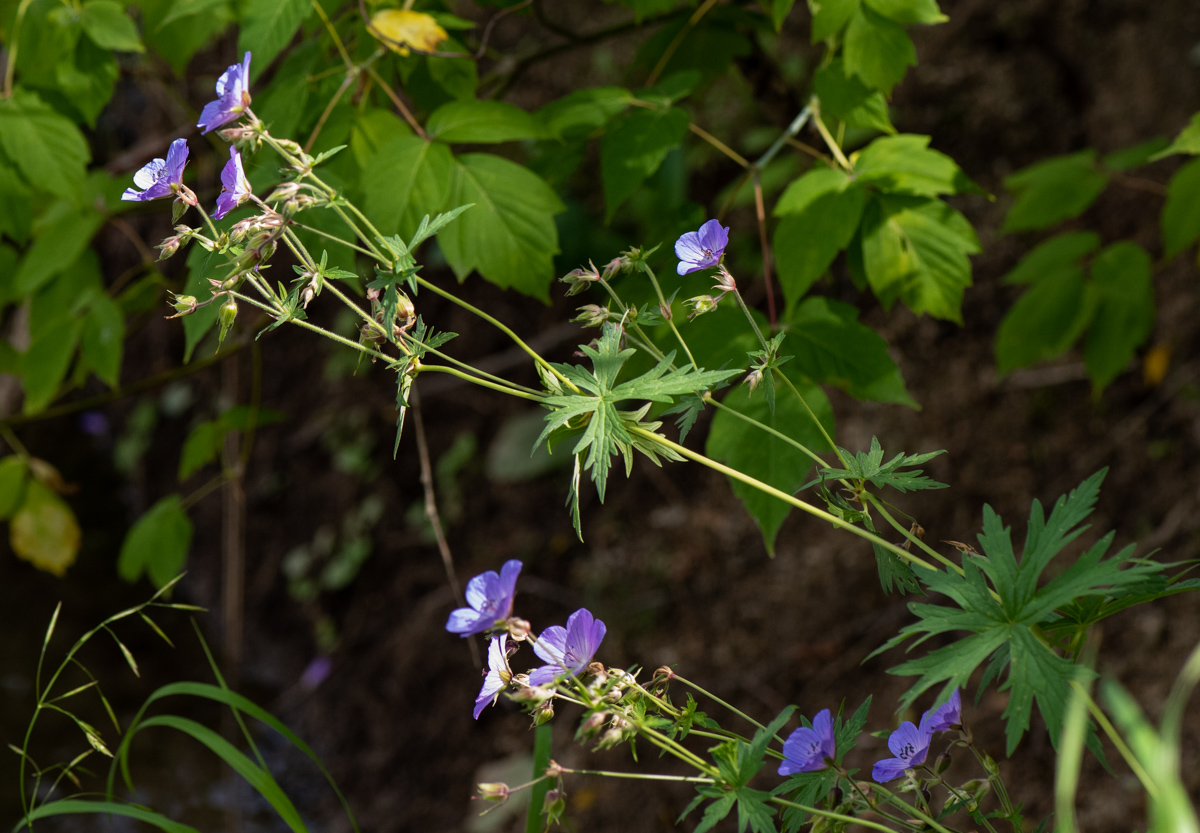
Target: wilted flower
<point>806,749</point>
<point>946,716</point>
<point>402,28</point>
<point>490,597</point>
<point>235,188</point>
<point>701,249</point>
<point>498,674</point>
<point>569,649</point>
<point>233,97</point>
<point>160,177</point>
<point>910,745</point>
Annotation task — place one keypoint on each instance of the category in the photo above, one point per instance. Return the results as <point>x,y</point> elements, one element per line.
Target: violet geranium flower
<point>497,677</point>
<point>569,649</point>
<point>235,188</point>
<point>701,249</point>
<point>910,745</point>
<point>490,597</point>
<point>946,716</point>
<point>160,177</point>
<point>233,97</point>
<point>806,749</point>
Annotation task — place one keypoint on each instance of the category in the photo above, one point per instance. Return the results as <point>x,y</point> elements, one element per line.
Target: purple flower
<point>806,749</point>
<point>701,249</point>
<point>160,177</point>
<point>910,745</point>
<point>316,672</point>
<point>491,599</point>
<point>569,649</point>
<point>235,188</point>
<point>495,680</point>
<point>946,716</point>
<point>233,97</point>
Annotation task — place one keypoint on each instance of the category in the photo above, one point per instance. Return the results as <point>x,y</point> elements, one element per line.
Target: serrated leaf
<point>578,114</point>
<point>45,364</point>
<point>59,240</point>
<point>157,545</point>
<point>633,148</point>
<point>267,27</point>
<point>1045,321</point>
<point>915,250</point>
<point>509,236</point>
<point>764,456</point>
<point>407,178</point>
<point>1055,256</point>
<point>177,29</point>
<point>847,98</point>
<point>869,465</point>
<point>428,228</point>
<point>830,16</point>
<point>877,50</point>
<point>43,531</point>
<point>905,164</point>
<point>1181,212</point>
<point>815,226</point>
<point>483,122</point>
<point>1052,191</point>
<point>47,148</point>
<point>104,339</point>
<point>106,23</point>
<point>1124,310</point>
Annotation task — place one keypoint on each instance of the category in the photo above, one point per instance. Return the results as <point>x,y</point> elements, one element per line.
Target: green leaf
<point>13,475</point>
<point>45,364</point>
<point>877,50</point>
<point>916,250</point>
<point>177,29</point>
<point>457,76</point>
<point>267,27</point>
<point>1059,254</point>
<point>509,236</point>
<point>633,147</point>
<point>15,216</point>
<point>1136,156</point>
<point>373,129</point>
<point>1124,315</point>
<point>202,265</point>
<point>832,348</point>
<point>780,9</point>
<point>869,465</point>
<point>104,339</point>
<point>88,80</point>
<point>765,456</point>
<point>200,448</point>
<point>106,23</point>
<point>1052,191</point>
<point>807,189</point>
<point>583,111</point>
<point>1188,140</point>
<point>157,545</point>
<point>78,807</point>
<point>847,98</point>
<point>829,16</point>
<point>405,180</point>
<point>904,164</point>
<point>43,530</point>
<point>60,239</point>
<point>47,148</point>
<point>807,240</point>
<point>483,122</point>
<point>909,11</point>
<point>1045,321</point>
<point>1181,213</point>
<point>282,105</point>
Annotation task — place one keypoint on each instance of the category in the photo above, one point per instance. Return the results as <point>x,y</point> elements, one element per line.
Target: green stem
<point>754,324</point>
<point>833,146</point>
<point>470,369</point>
<point>11,67</point>
<point>795,127</point>
<point>907,533</point>
<point>475,380</point>
<point>752,421</point>
<point>299,249</point>
<point>666,313</point>
<point>812,416</point>
<point>1119,742</point>
<point>690,779</point>
<point>829,814</point>
<point>545,365</point>
<point>333,237</point>
<point>721,702</point>
<point>791,500</point>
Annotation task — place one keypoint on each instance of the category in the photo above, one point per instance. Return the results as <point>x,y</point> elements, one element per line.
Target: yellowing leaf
<point>1155,364</point>
<point>399,27</point>
<point>44,531</point>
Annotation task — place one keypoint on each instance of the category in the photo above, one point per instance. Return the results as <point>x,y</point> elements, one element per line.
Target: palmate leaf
<point>998,602</point>
<point>870,466</point>
<point>594,408</point>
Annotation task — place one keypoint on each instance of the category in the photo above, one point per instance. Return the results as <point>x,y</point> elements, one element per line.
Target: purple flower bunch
<point>567,651</point>
<point>910,744</point>
<point>164,177</point>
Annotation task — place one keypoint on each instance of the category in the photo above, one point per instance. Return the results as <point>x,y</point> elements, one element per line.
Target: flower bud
<point>591,315</point>
<point>943,762</point>
<point>497,792</point>
<point>592,726</point>
<point>754,378</point>
<point>168,247</point>
<point>183,305</point>
<point>701,304</point>
<point>544,713</point>
<point>536,694</point>
<point>226,316</point>
<point>284,192</point>
<point>665,311</point>
<point>518,629</point>
<point>616,266</point>
<point>553,805</point>
<point>578,279</point>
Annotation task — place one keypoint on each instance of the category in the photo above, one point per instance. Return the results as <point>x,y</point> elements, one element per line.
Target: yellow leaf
<point>44,531</point>
<point>399,27</point>
<point>1155,364</point>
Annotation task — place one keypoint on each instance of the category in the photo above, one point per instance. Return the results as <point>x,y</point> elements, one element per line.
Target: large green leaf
<point>830,16</point>
<point>820,213</point>
<point>49,151</point>
<point>633,147</point>
<point>407,179</point>
<point>916,250</point>
<point>846,97</point>
<point>88,80</point>
<point>282,105</point>
<point>483,122</point>
<point>904,164</point>
<point>1181,213</point>
<point>59,239</point>
<point>106,23</point>
<point>104,339</point>
<point>509,235</point>
<point>832,348</point>
<point>157,545</point>
<point>765,456</point>
<point>877,50</point>
<point>46,361</point>
<point>267,27</point>
<point>1124,313</point>
<point>1045,321</point>
<point>909,11</point>
<point>176,29</point>
<point>1052,191</point>
<point>15,217</point>
<point>1054,256</point>
<point>579,113</point>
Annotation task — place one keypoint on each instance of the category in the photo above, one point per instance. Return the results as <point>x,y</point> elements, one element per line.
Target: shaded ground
<point>671,562</point>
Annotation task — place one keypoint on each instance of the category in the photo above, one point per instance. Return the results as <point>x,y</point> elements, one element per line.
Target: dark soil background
<point>671,562</point>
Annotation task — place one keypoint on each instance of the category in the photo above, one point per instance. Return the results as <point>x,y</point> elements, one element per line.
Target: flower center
<point>907,752</point>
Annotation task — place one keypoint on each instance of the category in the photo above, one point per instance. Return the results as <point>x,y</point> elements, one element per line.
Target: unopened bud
<point>183,305</point>
<point>243,138</point>
<point>284,192</point>
<point>616,266</point>
<point>290,146</point>
<point>168,247</point>
<point>544,713</point>
<point>596,671</point>
<point>497,792</point>
<point>943,762</point>
<point>701,304</point>
<point>665,311</point>
<point>553,805</point>
<point>518,629</point>
<point>590,727</point>
<point>578,279</point>
<point>591,315</point>
<point>535,694</point>
<point>226,316</point>
<point>754,378</point>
